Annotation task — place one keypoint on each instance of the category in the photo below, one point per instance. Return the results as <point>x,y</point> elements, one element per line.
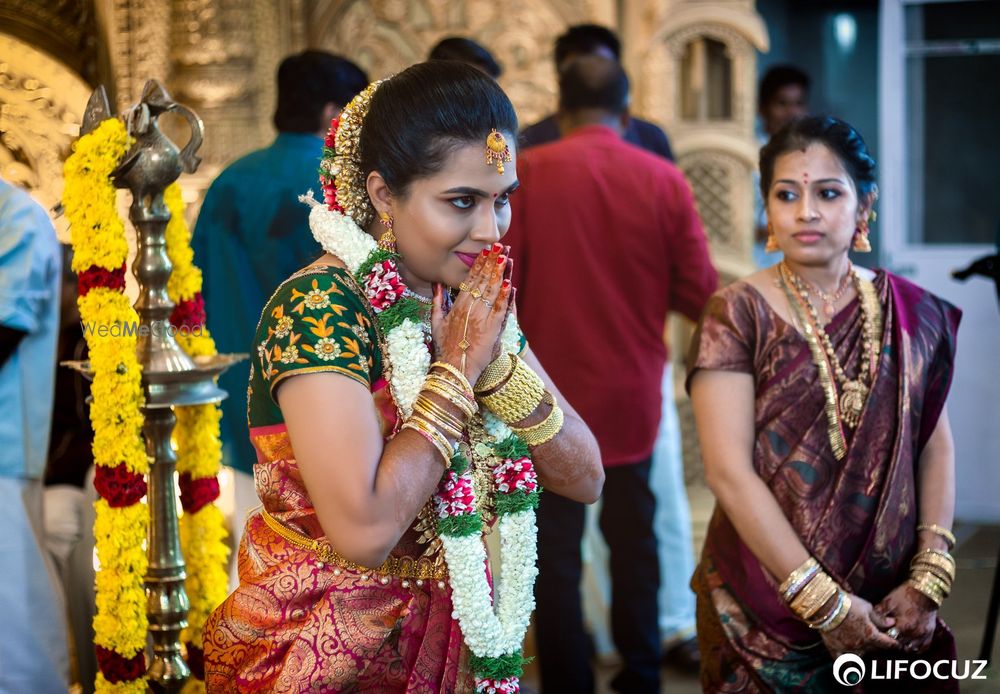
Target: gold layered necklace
<point>843,409</point>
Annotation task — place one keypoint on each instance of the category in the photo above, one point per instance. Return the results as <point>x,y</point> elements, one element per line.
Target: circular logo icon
<point>848,669</point>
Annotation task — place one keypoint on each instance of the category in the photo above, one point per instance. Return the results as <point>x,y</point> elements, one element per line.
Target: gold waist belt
<point>421,569</point>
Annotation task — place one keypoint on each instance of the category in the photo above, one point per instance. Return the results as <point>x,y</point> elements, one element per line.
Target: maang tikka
<point>497,151</point>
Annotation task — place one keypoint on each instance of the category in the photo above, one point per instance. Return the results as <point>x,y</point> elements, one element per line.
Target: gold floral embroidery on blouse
<point>317,299</point>
<point>291,340</point>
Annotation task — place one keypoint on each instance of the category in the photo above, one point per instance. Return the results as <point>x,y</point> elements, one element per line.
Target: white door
<point>939,173</point>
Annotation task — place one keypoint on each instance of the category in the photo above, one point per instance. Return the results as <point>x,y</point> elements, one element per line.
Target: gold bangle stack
<point>447,382</point>
<point>807,589</point>
<point>460,378</point>
<point>518,397</point>
<point>837,615</point>
<point>429,410</point>
<point>816,593</point>
<point>943,533</point>
<point>932,573</point>
<point>432,434</point>
<point>545,430</point>
<point>798,579</point>
<point>434,422</point>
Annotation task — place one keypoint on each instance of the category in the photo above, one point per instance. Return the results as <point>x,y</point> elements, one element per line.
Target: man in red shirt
<point>606,242</point>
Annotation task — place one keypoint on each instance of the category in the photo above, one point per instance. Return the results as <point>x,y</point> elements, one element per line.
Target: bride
<point>398,414</point>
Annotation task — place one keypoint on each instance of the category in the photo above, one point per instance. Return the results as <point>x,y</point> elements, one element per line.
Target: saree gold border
<point>397,567</point>
<point>833,428</point>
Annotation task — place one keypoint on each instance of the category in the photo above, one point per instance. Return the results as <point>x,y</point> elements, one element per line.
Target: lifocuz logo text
<point>849,669</point>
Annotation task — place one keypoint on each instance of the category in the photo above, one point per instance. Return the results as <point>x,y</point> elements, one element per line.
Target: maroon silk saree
<point>856,516</point>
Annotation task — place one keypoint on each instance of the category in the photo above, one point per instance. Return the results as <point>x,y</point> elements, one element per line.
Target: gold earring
<point>387,241</point>
<point>861,243</point>
<point>772,242</point>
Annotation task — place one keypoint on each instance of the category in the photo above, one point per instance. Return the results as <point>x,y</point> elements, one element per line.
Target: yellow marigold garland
<point>100,250</point>
<point>199,451</point>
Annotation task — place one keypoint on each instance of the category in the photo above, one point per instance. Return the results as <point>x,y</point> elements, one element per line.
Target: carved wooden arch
<point>385,36</point>
<point>41,108</point>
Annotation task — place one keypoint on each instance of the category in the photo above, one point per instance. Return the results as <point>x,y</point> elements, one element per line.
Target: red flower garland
<point>190,313</point>
<point>196,493</point>
<point>118,485</point>
<point>97,276</point>
<point>117,668</point>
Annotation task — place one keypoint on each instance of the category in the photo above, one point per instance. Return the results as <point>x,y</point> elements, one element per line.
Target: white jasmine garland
<point>338,234</point>
<point>410,360</point>
<point>518,570</point>
<point>490,628</point>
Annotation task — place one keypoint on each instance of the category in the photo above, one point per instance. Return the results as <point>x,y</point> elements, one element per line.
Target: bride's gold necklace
<point>845,409</point>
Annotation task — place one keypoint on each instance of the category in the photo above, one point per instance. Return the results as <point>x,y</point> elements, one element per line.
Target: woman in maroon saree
<point>799,472</point>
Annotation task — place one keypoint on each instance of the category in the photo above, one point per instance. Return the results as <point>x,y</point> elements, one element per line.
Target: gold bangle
<point>930,593</point>
<point>518,397</point>
<point>943,533</point>
<point>428,402</point>
<point>441,419</point>
<point>945,556</point>
<point>466,386</point>
<point>451,396</point>
<point>935,557</point>
<point>435,437</point>
<point>824,623</point>
<point>495,374</point>
<point>841,615</point>
<point>458,401</point>
<point>448,379</point>
<point>812,598</point>
<point>808,593</point>
<point>935,571</point>
<point>431,429</point>
<point>546,430</point>
<point>798,578</point>
<point>930,579</point>
<point>945,564</point>
<point>443,380</point>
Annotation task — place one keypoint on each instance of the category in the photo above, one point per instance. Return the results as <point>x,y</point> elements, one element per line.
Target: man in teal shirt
<point>252,231</point>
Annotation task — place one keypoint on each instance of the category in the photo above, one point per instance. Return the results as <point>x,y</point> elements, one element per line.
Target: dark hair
<point>592,81</point>
<point>418,117</point>
<point>778,77</point>
<point>586,38</point>
<point>307,82</point>
<point>466,51</point>
<point>839,137</point>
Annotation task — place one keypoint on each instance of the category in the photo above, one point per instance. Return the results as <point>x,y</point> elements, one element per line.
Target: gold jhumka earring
<point>387,241</point>
<point>497,151</point>
<point>772,242</point>
<point>861,243</point>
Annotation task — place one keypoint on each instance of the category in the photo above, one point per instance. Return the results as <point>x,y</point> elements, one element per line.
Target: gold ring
<point>464,287</point>
<point>475,293</point>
